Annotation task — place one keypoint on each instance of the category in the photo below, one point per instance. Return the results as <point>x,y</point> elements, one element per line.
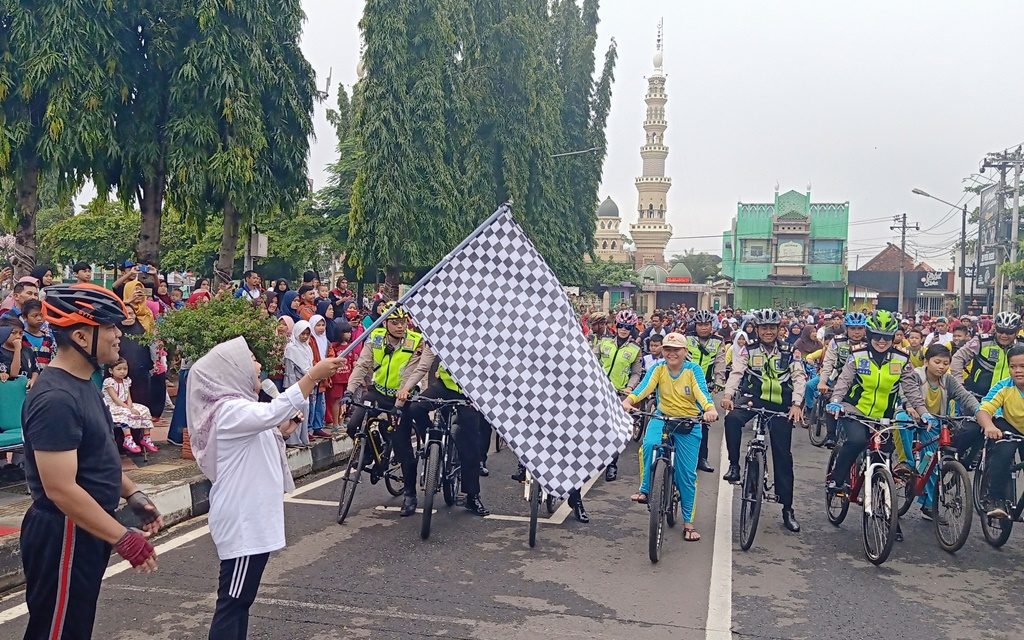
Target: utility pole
<point>901,220</point>
<point>1002,161</point>
<point>963,263</point>
<point>1015,221</point>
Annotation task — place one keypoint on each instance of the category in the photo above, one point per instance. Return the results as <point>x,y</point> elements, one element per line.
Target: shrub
<point>193,332</point>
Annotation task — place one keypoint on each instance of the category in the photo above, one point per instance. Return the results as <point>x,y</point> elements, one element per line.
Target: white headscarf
<point>299,352</point>
<point>736,342</point>
<point>225,373</point>
<point>322,343</point>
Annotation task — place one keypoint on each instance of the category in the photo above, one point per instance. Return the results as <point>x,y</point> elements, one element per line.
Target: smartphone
<point>143,268</point>
<point>149,292</point>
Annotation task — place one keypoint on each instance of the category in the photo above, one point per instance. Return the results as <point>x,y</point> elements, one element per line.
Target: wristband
<point>138,503</point>
<point>134,547</point>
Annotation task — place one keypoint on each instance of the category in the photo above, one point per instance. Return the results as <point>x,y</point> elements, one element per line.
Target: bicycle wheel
<point>393,478</point>
<point>996,530</point>
<point>534,510</point>
<point>818,430</point>
<point>657,503</point>
<point>904,491</point>
<point>638,428</point>
<point>836,507</point>
<point>350,481</point>
<point>433,479</point>
<point>451,481</point>
<point>880,525</point>
<point>953,512</point>
<point>750,499</point>
<point>673,508</point>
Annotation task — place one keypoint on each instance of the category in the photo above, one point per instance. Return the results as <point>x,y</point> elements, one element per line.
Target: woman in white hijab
<point>238,444</point>
<point>298,359</point>
<point>318,401</point>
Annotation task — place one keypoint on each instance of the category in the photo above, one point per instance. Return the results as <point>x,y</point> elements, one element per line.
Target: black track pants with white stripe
<point>239,582</point>
<point>64,568</point>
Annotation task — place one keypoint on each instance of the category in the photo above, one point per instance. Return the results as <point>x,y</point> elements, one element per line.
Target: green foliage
<point>605,272</point>
<point>193,332</point>
<point>103,233</point>
<point>701,265</point>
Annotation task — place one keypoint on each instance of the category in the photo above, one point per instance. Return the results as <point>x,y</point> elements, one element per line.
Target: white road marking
<point>7,615</point>
<point>719,621</point>
<point>318,503</point>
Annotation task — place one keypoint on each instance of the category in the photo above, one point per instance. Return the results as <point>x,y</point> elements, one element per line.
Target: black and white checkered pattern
<point>503,327</point>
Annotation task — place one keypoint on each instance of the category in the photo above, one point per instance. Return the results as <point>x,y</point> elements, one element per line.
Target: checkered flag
<point>502,325</point>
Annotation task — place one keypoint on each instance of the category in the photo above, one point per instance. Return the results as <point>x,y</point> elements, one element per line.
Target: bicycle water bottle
<point>926,460</point>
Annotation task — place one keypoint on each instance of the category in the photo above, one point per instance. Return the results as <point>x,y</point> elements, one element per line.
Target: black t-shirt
<point>28,363</point>
<point>64,413</point>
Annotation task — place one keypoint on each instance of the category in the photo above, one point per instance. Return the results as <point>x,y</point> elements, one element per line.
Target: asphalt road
<point>477,578</point>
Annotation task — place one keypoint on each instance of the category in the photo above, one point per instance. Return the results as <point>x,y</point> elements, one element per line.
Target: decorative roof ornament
<point>659,54</point>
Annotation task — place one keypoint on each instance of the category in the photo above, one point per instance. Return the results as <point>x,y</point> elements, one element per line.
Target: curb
<point>182,500</point>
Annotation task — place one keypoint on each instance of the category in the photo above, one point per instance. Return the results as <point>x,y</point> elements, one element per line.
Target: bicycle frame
<point>874,456</point>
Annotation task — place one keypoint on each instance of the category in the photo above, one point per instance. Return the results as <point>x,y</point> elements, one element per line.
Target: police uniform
<point>386,359</point>
<point>984,361</point>
<point>622,362</point>
<point>770,377</point>
<point>709,355</point>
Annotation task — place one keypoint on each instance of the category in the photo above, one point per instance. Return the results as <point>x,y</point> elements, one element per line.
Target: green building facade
<point>791,252</point>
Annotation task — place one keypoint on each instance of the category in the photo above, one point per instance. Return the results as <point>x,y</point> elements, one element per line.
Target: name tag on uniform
<point>757,361</point>
<point>895,368</point>
<point>863,366</point>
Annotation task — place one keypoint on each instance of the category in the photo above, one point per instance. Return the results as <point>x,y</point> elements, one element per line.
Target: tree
<point>101,234</point>
<point>403,198</point>
<point>56,97</point>
<point>701,265</point>
<point>605,272</point>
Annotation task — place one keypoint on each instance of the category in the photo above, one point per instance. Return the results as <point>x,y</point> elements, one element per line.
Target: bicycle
<point>640,418</point>
<point>370,440</point>
<point>954,484</point>
<point>754,482</point>
<point>534,494</point>
<point>871,470</point>
<point>663,500</point>
<point>997,530</point>
<point>442,470</point>
<point>817,421</point>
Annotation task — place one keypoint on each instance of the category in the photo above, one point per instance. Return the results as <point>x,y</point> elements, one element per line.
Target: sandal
<point>639,498</point>
<point>690,534</point>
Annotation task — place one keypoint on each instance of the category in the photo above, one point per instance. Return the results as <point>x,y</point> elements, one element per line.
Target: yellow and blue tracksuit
<point>682,396</point>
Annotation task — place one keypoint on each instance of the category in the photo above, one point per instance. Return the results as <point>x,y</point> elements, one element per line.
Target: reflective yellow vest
<point>875,392</point>
<point>617,361</point>
<point>389,363</point>
<point>989,366</point>
<point>704,356</point>
<point>447,380</point>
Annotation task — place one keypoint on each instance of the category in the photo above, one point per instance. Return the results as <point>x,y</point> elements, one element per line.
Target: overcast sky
<point>863,101</point>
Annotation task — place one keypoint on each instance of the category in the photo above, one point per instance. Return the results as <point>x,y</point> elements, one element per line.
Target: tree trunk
<point>152,206</point>
<point>391,283</point>
<point>25,234</point>
<point>225,266</point>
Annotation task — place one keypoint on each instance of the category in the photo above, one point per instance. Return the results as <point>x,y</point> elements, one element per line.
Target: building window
<point>604,245</point>
<point>755,251</point>
<point>826,252</point>
<point>613,245</point>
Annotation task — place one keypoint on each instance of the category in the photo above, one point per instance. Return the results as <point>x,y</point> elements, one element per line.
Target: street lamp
<point>963,246</point>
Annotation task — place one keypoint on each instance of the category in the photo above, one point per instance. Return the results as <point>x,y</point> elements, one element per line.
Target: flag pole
<point>422,281</point>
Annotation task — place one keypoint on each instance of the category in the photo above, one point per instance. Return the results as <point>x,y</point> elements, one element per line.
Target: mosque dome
<point>608,209</point>
<point>679,272</point>
<point>652,273</point>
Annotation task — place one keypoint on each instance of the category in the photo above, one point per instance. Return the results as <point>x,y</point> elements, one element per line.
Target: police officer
<point>986,355</point>
<point>770,375</point>
<point>387,353</point>
<point>470,428</point>
<point>621,359</point>
<point>707,352</point>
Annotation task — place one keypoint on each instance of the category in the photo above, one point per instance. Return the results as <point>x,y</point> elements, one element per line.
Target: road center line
<point>719,620</point>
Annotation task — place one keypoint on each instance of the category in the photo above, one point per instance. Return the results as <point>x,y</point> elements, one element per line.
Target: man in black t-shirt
<point>74,473</point>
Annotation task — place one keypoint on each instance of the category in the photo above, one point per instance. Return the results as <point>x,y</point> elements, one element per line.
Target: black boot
<point>484,471</point>
<point>703,465</point>
<point>520,474</point>
<point>732,474</point>
<point>611,473</point>
<point>789,520</point>
<point>578,510</point>
<point>474,506</point>
<point>408,506</point>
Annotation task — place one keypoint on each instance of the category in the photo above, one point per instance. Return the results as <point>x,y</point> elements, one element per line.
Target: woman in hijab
<point>140,360</point>
<point>325,309</point>
<point>807,342</point>
<point>280,288</point>
<point>135,297</point>
<point>739,343</point>
<point>237,443</point>
<point>298,360</point>
<point>375,311</point>
<point>793,334</point>
<point>321,346</point>
<point>43,274</point>
<point>288,305</point>
<point>750,329</point>
<point>162,296</point>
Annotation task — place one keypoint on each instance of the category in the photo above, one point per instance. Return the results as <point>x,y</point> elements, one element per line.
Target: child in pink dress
<point>116,395</point>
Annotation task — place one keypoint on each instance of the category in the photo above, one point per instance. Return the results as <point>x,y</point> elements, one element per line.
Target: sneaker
<point>130,446</point>
<point>928,513</point>
<point>147,444</point>
<point>321,433</point>
<point>177,444</point>
<point>835,489</point>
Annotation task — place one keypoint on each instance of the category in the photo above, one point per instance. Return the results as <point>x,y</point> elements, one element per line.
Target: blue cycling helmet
<point>855,319</point>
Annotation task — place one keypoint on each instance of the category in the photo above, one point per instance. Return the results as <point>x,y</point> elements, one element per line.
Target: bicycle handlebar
<point>668,419</point>
<point>396,412</point>
<point>438,403</point>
